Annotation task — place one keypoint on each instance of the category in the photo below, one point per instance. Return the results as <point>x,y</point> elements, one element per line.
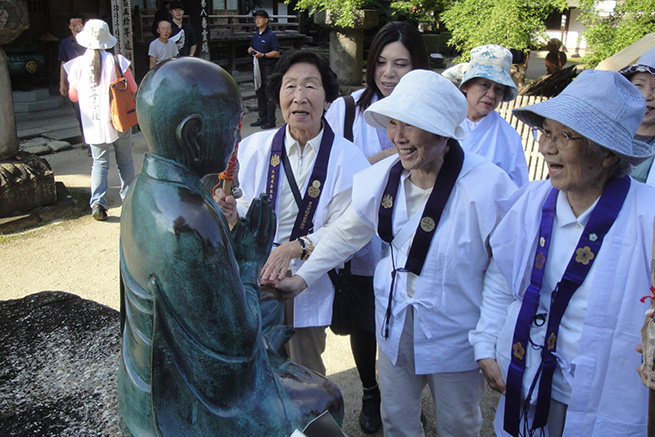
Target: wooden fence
<point>536,165</point>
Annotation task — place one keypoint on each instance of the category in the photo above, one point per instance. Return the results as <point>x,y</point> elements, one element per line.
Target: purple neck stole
<point>600,222</point>
<point>418,251</point>
<point>304,223</point>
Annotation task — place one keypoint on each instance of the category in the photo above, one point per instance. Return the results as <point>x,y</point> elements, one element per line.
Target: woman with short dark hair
<point>307,172</point>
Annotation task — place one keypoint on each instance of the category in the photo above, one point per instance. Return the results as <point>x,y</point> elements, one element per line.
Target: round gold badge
<point>314,190</point>
<point>31,67</point>
<point>427,224</point>
<point>387,201</point>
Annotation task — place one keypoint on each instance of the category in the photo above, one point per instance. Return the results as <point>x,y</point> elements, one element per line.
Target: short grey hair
<point>621,168</point>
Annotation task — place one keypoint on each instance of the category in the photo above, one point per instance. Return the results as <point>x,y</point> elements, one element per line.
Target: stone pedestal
<point>26,182</point>
<point>347,44</point>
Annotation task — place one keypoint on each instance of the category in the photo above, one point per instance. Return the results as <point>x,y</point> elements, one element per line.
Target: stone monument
<point>197,357</point>
<point>26,181</point>
<point>347,44</point>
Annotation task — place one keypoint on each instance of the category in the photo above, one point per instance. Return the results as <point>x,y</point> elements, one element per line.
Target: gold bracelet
<point>309,249</point>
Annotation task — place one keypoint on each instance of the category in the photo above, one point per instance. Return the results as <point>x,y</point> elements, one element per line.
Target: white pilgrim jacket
<point>314,306</point>
<point>607,396</point>
<point>499,142</point>
<point>448,293</point>
<point>366,138</point>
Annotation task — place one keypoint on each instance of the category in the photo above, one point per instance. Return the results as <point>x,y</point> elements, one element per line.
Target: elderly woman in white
<point>307,172</point>
<point>571,258</point>
<point>436,206</point>
<point>642,75</point>
<point>486,81</point>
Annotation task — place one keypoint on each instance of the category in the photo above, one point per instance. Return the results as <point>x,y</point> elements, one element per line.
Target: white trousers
<point>554,426</point>
<point>456,395</point>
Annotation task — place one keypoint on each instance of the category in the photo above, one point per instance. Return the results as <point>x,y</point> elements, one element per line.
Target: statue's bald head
<point>189,111</point>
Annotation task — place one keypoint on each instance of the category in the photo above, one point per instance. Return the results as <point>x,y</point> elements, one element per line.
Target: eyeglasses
<point>560,139</point>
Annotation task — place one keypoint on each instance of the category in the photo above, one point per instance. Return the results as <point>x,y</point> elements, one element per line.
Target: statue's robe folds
<point>194,359</point>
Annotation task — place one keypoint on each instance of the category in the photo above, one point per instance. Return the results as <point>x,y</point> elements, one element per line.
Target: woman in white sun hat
<point>561,311</point>
<point>642,75</point>
<point>436,205</point>
<point>486,81</point>
<point>90,76</point>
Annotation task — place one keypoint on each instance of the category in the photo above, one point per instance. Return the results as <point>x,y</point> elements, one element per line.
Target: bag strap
<point>118,69</point>
<point>349,119</point>
<point>290,178</point>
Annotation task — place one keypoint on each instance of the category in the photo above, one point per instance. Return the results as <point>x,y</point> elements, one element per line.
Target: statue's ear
<point>188,136</point>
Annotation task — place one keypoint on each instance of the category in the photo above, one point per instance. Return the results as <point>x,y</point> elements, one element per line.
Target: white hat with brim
<point>424,99</point>
<point>602,106</point>
<point>492,62</point>
<point>645,64</point>
<point>96,35</point>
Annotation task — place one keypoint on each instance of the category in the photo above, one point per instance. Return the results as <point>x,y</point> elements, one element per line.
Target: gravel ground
<point>80,256</point>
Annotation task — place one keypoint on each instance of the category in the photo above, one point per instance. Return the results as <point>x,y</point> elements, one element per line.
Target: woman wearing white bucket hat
<point>486,81</point>
<point>396,50</point>
<point>436,206</point>
<point>90,76</point>
<point>642,75</point>
<point>571,258</point>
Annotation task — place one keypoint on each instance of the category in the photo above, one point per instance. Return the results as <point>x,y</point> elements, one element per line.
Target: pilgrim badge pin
<point>387,201</point>
<point>593,237</point>
<point>427,224</point>
<point>542,242</point>
<point>314,190</point>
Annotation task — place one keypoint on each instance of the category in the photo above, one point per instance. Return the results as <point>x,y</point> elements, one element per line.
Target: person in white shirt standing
<point>162,48</point>
<point>307,172</point>
<point>90,76</point>
<point>396,50</point>
<point>561,311</point>
<point>436,206</point>
<point>486,81</point>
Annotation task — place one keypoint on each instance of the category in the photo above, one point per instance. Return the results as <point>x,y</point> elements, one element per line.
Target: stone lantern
<point>26,181</point>
<point>347,44</point>
<point>14,20</point>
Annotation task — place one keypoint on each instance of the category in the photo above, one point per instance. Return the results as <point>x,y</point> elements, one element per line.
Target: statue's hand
<point>253,234</point>
<point>288,288</point>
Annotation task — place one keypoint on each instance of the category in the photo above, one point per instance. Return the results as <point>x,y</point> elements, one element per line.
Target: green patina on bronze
<point>197,358</point>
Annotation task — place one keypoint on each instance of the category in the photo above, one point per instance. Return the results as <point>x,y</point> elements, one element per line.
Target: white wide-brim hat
<point>602,106</point>
<point>96,35</point>
<point>424,99</point>
<point>492,62</point>
<point>645,64</point>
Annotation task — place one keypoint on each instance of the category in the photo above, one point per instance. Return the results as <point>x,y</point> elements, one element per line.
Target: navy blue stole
<point>304,223</point>
<point>418,251</point>
<point>600,222</point>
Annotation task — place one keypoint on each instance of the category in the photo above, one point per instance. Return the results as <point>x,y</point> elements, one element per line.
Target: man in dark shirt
<point>265,48</point>
<point>182,34</point>
<point>70,49</point>
<point>163,13</point>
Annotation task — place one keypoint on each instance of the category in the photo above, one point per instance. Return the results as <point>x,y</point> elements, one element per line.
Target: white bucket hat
<point>602,106</point>
<point>645,64</point>
<point>492,62</point>
<point>423,99</point>
<point>96,35</point>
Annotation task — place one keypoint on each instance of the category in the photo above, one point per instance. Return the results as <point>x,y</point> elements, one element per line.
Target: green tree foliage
<point>422,11</point>
<point>607,34</point>
<point>345,9</point>
<point>517,24</point>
